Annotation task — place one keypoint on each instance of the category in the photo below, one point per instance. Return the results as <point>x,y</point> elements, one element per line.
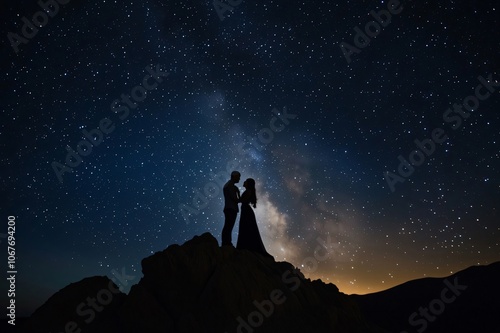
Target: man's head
<point>235,176</point>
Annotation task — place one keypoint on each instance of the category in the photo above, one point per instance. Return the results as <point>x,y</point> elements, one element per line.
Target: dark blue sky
<point>321,175</point>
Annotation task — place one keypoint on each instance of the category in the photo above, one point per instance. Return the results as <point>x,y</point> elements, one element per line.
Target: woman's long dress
<point>248,235</point>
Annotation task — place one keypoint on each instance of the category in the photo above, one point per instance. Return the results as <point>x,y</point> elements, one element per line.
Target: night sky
<point>182,97</point>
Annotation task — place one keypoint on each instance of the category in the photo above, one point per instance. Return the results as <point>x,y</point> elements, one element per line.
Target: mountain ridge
<point>201,287</point>
<point>465,301</point>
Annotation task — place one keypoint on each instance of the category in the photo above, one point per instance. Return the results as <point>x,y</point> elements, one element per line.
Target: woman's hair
<point>253,195</point>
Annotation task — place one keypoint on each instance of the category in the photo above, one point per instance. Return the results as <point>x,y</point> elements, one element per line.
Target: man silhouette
<point>231,199</point>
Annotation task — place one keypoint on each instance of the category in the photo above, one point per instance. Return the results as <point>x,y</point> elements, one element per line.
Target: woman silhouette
<point>248,235</point>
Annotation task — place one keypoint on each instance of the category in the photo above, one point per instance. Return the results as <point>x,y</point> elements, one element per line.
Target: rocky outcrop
<point>201,287</point>
<point>90,305</point>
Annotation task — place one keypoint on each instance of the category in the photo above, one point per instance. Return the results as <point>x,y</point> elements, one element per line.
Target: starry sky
<point>183,92</point>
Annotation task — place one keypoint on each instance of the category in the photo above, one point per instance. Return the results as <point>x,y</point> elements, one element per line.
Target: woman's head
<point>249,184</point>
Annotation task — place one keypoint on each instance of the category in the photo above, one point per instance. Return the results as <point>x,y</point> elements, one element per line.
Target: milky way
<point>120,121</point>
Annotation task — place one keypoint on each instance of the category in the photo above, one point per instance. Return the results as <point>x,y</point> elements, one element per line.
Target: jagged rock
<point>142,313</point>
<point>72,308</point>
<point>201,287</point>
<point>205,288</point>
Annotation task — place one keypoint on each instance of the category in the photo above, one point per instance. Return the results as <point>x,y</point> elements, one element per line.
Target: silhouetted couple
<point>248,235</point>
